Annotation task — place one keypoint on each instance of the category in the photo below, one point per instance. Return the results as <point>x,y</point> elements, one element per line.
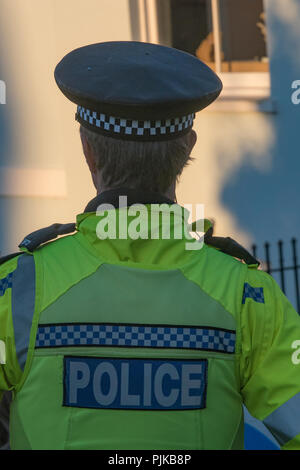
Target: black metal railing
<point>291,266</point>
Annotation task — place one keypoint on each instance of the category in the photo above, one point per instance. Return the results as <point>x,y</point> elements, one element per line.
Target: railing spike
<point>295,267</point>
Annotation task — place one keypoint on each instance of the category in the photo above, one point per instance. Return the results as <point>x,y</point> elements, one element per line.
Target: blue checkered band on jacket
<point>135,128</point>
<point>136,336</point>
<point>5,284</point>
<point>255,293</point>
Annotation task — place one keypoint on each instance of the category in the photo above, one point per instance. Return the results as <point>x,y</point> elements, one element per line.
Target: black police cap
<point>135,90</point>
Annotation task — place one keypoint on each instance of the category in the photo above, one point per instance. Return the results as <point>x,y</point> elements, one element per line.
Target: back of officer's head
<point>136,103</point>
<point>150,165</point>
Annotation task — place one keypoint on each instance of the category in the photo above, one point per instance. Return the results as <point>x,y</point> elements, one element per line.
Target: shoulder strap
<point>8,257</point>
<point>230,247</point>
<point>44,235</point>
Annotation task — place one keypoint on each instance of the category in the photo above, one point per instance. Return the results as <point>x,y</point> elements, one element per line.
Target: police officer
<point>122,334</point>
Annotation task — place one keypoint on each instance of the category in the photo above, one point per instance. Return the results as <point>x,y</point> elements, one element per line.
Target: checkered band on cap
<point>134,129</point>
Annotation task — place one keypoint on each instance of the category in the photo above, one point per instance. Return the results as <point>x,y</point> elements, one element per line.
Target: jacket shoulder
<point>35,239</point>
<point>6,258</point>
<point>230,247</point>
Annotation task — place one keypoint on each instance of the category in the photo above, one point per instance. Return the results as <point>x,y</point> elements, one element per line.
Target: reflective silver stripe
<point>284,423</point>
<point>22,304</point>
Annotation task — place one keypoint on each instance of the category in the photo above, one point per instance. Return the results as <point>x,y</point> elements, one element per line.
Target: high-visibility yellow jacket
<point>123,343</point>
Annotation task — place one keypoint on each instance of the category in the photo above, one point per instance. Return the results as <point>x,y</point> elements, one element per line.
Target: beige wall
<point>34,36</point>
<point>225,142</point>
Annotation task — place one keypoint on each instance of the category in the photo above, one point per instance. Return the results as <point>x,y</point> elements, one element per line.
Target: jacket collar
<point>152,247</point>
<point>133,196</point>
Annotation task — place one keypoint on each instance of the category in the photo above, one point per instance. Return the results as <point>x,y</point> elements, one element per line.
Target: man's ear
<point>192,140</point>
<point>88,153</point>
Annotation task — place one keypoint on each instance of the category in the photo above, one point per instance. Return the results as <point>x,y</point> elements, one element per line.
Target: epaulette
<point>230,247</point>
<point>32,241</point>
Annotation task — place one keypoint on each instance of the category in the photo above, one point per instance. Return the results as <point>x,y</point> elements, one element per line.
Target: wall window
<point>228,35</point>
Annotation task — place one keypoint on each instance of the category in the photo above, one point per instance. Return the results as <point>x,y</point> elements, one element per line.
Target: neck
<point>133,196</point>
<point>170,193</point>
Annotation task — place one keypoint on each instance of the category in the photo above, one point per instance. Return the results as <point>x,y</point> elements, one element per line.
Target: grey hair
<point>153,166</point>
